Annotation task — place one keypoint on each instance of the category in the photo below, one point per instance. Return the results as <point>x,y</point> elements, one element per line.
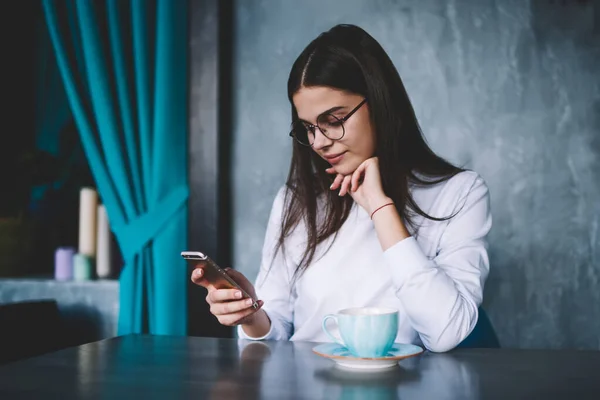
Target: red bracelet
<point>385,205</point>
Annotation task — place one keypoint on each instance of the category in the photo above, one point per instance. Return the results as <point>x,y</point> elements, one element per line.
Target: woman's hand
<point>364,185</point>
<point>227,304</point>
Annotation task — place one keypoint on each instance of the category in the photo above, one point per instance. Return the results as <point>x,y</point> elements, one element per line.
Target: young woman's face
<point>358,142</point>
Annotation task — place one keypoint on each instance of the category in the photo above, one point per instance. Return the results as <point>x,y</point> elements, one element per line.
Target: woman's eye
<point>331,121</point>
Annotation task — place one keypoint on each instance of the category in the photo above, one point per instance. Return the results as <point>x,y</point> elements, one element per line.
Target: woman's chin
<point>344,171</point>
<point>346,167</point>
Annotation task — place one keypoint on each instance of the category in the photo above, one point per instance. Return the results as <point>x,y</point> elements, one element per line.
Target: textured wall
<point>510,89</point>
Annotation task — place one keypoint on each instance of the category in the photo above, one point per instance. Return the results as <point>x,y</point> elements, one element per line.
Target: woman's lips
<point>335,159</point>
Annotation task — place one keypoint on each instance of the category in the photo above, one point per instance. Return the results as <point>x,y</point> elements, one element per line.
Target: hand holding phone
<point>231,296</point>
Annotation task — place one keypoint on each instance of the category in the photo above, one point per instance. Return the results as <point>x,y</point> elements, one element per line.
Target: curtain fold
<point>52,112</point>
<point>124,68</point>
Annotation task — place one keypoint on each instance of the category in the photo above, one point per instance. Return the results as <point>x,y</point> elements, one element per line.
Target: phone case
<point>215,274</point>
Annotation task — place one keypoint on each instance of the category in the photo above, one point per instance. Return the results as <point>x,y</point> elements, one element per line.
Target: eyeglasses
<point>329,125</point>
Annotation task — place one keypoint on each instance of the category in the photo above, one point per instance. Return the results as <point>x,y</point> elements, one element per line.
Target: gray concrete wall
<point>510,89</point>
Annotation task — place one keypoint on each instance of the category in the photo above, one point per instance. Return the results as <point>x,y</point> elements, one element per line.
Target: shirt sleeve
<point>441,296</point>
<point>273,283</point>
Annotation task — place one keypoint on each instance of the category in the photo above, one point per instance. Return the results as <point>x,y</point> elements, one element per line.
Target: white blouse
<point>434,278</point>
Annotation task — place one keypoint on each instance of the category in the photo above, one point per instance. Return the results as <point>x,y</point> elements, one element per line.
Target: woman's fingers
<point>230,307</point>
<point>357,176</point>
<point>337,182</point>
<point>239,317</point>
<point>198,279</point>
<point>349,182</point>
<point>345,185</point>
<point>219,295</point>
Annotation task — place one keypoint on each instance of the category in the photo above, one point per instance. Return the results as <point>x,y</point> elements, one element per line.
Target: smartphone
<point>215,274</point>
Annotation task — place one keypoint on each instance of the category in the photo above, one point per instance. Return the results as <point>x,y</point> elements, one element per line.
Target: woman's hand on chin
<point>364,185</point>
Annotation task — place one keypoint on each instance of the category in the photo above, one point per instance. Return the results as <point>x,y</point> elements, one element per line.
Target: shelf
<point>88,307</point>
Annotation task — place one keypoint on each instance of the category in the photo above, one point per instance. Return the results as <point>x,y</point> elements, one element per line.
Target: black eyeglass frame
<point>314,127</point>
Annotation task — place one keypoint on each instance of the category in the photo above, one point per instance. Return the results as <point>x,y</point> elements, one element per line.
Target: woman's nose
<point>321,140</point>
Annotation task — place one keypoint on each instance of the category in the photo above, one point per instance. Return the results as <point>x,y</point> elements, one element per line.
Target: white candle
<point>103,255</point>
<point>88,200</point>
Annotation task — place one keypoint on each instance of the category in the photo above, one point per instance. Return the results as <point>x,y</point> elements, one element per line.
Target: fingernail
<point>331,187</point>
<point>238,295</point>
<point>249,302</point>
<point>198,272</point>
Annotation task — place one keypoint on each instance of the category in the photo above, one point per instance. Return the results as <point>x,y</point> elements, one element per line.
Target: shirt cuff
<point>269,335</point>
<point>406,259</point>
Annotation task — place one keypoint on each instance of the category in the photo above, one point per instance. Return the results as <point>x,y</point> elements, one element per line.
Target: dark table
<point>168,367</point>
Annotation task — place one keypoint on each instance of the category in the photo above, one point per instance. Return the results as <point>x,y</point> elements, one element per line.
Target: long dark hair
<point>348,58</point>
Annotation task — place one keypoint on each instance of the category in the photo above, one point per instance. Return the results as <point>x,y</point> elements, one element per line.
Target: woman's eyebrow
<point>329,111</point>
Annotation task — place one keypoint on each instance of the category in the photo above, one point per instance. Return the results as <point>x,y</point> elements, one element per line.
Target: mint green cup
<point>367,332</point>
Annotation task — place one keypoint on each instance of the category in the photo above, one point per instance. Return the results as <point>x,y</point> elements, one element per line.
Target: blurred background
<point>509,88</point>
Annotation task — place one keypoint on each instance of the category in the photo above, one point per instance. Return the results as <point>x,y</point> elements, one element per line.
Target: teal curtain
<point>52,111</point>
<point>124,68</point>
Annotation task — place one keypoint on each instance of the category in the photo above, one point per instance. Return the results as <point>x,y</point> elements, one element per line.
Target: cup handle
<point>336,340</point>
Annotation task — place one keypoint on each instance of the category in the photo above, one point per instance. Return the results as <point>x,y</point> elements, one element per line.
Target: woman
<point>369,216</point>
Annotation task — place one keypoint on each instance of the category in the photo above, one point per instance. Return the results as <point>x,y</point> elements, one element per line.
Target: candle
<point>82,267</point>
<point>103,253</point>
<point>88,200</point>
<point>63,263</point>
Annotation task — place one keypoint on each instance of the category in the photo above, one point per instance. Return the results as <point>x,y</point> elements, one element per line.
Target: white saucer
<point>343,358</point>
